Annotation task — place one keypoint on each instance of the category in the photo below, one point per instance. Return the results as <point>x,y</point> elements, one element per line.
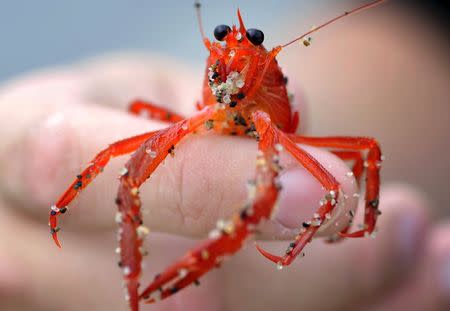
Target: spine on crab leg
<point>327,204</point>
<point>229,235</point>
<point>152,111</point>
<point>87,176</point>
<point>372,165</point>
<point>138,169</point>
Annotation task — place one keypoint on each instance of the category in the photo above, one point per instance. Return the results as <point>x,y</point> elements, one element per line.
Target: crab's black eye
<point>221,31</point>
<point>255,36</point>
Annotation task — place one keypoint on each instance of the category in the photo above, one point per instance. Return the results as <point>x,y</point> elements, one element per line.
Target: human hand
<point>54,122</point>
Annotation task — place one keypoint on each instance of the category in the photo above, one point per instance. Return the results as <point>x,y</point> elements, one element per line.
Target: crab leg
<point>229,235</point>
<point>323,213</point>
<point>87,176</point>
<point>372,165</point>
<point>139,168</point>
<point>151,111</point>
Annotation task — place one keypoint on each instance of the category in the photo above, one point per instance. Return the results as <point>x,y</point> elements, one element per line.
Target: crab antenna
<point>198,6</point>
<point>346,13</point>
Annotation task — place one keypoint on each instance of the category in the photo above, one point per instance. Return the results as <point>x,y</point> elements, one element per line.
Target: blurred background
<point>42,33</point>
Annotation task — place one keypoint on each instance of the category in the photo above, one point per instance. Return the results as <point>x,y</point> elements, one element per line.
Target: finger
<point>350,274</point>
<point>50,150</point>
<point>428,288</point>
<point>49,157</point>
<point>117,79</point>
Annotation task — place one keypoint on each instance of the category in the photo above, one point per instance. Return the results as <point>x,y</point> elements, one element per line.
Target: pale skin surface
<point>53,123</point>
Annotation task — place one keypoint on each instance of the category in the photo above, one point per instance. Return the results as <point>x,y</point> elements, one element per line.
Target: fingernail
<point>410,236</point>
<point>299,198</point>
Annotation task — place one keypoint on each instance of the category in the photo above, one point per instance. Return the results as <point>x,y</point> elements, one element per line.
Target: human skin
<point>54,122</point>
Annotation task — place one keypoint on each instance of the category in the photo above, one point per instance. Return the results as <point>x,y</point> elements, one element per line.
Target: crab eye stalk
<point>255,36</point>
<point>221,31</point>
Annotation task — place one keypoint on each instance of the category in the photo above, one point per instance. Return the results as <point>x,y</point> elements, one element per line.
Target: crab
<point>244,94</point>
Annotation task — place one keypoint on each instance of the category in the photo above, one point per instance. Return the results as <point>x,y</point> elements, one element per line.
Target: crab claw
<point>54,229</point>
<point>271,257</point>
<point>55,238</point>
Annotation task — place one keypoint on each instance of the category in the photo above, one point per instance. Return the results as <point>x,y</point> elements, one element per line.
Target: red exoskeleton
<point>244,93</point>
